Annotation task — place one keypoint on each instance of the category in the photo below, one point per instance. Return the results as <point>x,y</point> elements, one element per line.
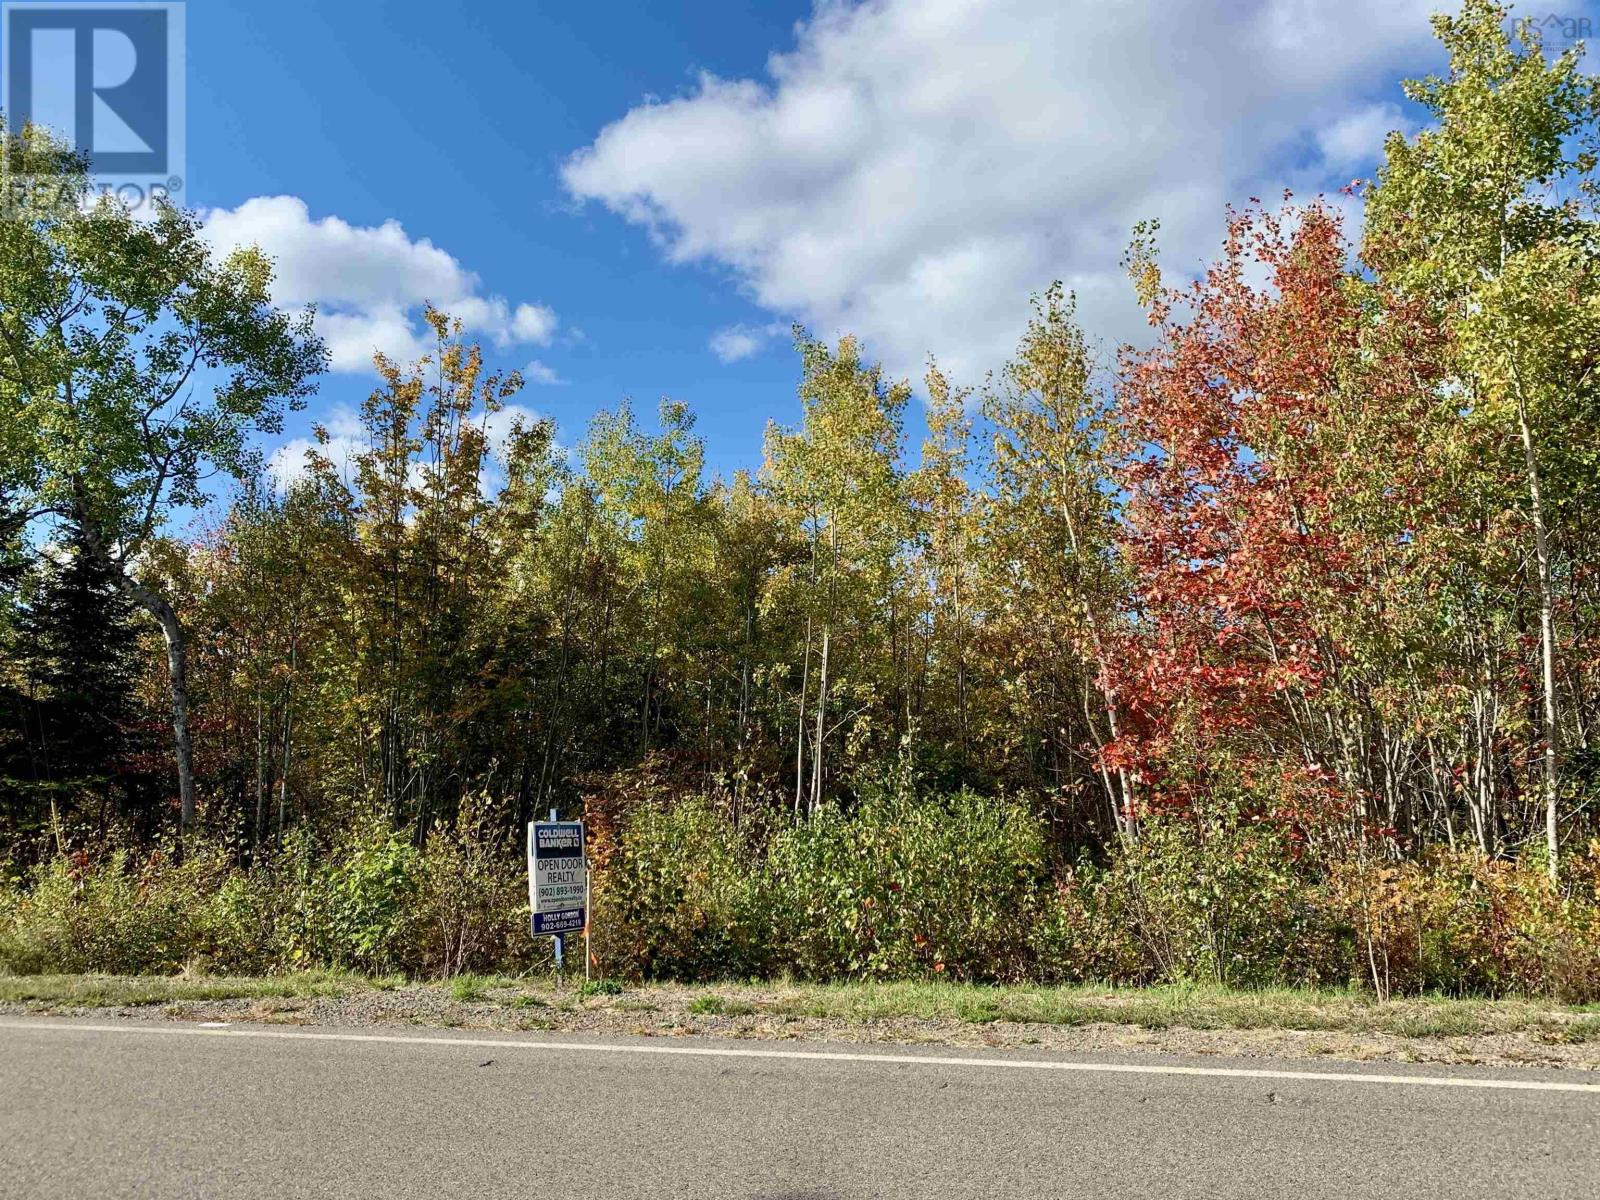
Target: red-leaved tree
<point>1273,463</point>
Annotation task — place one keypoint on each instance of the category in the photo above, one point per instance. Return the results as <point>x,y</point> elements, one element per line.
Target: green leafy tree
<point>1052,586</point>
<point>134,366</point>
<point>1489,212</point>
<point>837,481</point>
<point>950,514</point>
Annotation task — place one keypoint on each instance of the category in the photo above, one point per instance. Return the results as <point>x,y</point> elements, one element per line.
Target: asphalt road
<point>173,1111</point>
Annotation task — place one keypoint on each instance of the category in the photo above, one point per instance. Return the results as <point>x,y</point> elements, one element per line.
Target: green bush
<point>1086,931</point>
<point>245,925</point>
<point>472,899</point>
<point>356,907</point>
<point>1221,897</point>
<point>910,886</point>
<point>903,886</point>
<point>680,898</point>
<point>118,915</point>
<point>1207,894</point>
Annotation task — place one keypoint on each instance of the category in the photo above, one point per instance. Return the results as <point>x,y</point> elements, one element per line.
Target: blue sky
<point>454,119</point>
<point>639,198</point>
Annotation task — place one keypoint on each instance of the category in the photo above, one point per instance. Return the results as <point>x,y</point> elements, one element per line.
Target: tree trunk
<point>288,742</point>
<point>800,723</point>
<point>822,712</point>
<point>1123,811</point>
<point>261,784</point>
<point>1547,636</point>
<point>178,686</point>
<point>177,666</point>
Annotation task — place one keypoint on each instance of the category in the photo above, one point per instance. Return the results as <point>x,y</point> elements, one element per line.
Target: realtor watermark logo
<point>108,80</point>
<point>1559,30</point>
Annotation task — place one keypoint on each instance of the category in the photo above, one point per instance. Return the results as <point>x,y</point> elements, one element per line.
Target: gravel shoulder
<point>1198,1023</point>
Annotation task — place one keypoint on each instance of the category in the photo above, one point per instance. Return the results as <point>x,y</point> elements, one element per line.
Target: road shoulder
<point>1551,1040</point>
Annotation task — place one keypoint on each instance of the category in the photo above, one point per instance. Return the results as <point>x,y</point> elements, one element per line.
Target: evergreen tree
<point>77,648</point>
<point>13,700</point>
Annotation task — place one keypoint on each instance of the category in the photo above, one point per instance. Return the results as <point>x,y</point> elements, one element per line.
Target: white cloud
<point>370,282</point>
<point>912,169</point>
<point>533,323</point>
<point>352,337</point>
<point>1355,140</point>
<point>347,438</point>
<point>736,342</point>
<point>541,374</point>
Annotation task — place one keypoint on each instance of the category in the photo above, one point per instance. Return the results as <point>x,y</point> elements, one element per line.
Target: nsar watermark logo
<point>107,80</point>
<point>1560,30</point>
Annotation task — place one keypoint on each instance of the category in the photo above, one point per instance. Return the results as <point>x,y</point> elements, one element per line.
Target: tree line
<point>1326,544</point>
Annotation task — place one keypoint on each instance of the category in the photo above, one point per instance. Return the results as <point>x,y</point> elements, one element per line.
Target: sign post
<point>558,883</point>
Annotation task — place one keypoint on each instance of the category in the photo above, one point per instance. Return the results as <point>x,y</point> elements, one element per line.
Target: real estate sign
<point>558,876</point>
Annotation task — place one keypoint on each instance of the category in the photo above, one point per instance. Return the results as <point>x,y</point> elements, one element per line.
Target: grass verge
<point>125,991</point>
<point>1189,1006</point>
<point>1197,1007</point>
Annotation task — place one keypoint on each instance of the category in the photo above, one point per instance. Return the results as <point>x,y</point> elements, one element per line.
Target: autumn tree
<point>420,546</point>
<point>1053,583</point>
<point>1488,213</point>
<point>949,514</point>
<point>270,593</point>
<point>837,481</point>
<point>1231,422</point>
<point>133,366</point>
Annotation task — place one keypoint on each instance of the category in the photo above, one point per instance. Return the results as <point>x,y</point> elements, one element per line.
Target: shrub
<point>1217,895</point>
<point>910,886</point>
<point>679,898</point>
<point>119,915</point>
<point>353,907</point>
<point>245,924</point>
<point>1207,893</point>
<point>371,903</point>
<point>906,885</point>
<point>472,899</point>
<point>1086,932</point>
<point>1460,923</point>
<point>1553,947</point>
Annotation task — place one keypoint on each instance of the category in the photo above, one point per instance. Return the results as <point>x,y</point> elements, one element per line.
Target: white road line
<point>917,1060</point>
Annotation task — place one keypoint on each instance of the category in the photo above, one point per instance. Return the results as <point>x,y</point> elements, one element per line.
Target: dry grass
<point>123,991</point>
<point>1158,1008</point>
